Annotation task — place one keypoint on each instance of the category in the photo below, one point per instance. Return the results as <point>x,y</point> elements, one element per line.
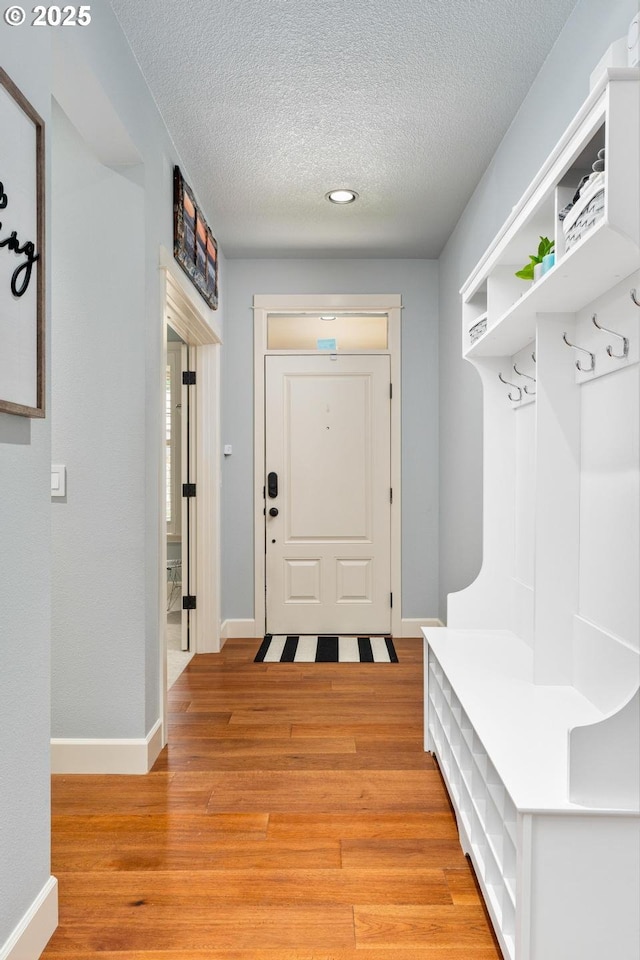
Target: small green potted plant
<point>545,250</point>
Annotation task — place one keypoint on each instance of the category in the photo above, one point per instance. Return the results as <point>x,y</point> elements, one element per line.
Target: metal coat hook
<point>592,355</point>
<point>634,297</point>
<point>527,390</point>
<point>515,386</point>
<point>625,340</point>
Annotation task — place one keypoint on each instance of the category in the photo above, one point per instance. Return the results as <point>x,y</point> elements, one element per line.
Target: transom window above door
<point>337,332</point>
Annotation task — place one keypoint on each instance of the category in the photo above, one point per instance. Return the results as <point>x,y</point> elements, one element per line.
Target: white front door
<point>328,494</point>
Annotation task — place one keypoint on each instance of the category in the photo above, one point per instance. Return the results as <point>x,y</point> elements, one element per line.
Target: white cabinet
<point>560,880</point>
<point>532,692</point>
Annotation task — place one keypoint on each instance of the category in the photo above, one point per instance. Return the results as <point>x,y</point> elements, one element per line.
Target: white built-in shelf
<point>523,726</point>
<point>595,264</point>
<point>532,699</point>
<point>608,252</point>
<point>502,743</point>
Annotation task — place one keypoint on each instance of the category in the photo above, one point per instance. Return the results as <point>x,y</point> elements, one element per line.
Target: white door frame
<point>198,326</point>
<point>183,439</point>
<point>263,304</point>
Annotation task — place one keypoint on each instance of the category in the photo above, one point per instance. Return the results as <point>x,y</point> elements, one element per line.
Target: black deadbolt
<point>273,512</point>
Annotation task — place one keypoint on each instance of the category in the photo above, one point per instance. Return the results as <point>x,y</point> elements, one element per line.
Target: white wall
<point>417,282</point>
<point>555,96</point>
<point>24,596</point>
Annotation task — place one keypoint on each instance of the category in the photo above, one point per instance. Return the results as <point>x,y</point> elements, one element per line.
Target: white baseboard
<point>411,627</point>
<point>34,931</point>
<point>154,744</point>
<point>239,630</point>
<point>107,756</point>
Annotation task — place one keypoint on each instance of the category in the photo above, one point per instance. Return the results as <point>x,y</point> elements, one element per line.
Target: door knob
<point>273,512</point>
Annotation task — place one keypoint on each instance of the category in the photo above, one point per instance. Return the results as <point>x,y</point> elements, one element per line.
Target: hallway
<point>294,816</point>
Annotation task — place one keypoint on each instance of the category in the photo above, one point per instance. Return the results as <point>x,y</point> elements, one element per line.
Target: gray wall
<point>24,594</point>
<point>98,432</point>
<point>105,401</point>
<point>417,282</point>
<point>105,324</point>
<point>109,223</point>
<point>555,96</point>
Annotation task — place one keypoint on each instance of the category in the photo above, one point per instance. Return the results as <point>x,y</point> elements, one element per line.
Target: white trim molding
<point>36,927</point>
<point>240,630</point>
<point>246,629</point>
<point>411,628</point>
<point>263,304</point>
<point>294,302</point>
<point>187,313</point>
<point>208,516</point>
<point>128,756</point>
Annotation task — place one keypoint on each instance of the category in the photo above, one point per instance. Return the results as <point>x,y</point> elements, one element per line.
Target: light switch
<point>58,480</point>
<point>228,449</point>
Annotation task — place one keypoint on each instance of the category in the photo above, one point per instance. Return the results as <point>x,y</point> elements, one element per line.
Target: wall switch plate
<point>58,480</point>
<point>228,449</point>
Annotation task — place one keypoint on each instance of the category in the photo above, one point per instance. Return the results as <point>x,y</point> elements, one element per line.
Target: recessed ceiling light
<point>341,196</point>
<point>327,318</point>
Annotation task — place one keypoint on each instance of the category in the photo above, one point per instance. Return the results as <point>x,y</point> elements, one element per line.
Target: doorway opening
<point>179,466</point>
<point>189,569</point>
<point>327,465</point>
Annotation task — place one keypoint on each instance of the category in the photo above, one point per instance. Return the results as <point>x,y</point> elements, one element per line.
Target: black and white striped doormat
<point>326,649</point>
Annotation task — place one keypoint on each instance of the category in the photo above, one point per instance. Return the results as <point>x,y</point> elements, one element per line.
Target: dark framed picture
<point>193,244</point>
<point>22,281</point>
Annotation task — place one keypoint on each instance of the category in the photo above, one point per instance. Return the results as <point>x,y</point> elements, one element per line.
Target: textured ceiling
<point>273,102</point>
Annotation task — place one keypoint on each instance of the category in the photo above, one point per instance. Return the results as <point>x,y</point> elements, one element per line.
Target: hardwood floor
<point>293,816</point>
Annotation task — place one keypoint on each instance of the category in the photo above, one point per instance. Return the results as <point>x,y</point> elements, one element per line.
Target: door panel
<point>354,581</point>
<point>328,440</point>
<point>302,581</point>
<point>327,425</point>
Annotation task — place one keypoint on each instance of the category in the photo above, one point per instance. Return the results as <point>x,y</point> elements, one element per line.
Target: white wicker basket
<point>478,329</point>
<point>585,213</point>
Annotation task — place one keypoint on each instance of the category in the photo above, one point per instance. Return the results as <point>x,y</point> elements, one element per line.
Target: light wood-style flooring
<point>293,816</point>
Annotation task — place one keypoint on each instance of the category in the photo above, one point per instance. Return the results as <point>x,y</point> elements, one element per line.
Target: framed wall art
<point>193,244</point>
<point>22,282</point>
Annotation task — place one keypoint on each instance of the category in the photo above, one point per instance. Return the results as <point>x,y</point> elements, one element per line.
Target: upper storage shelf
<point>596,245</point>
